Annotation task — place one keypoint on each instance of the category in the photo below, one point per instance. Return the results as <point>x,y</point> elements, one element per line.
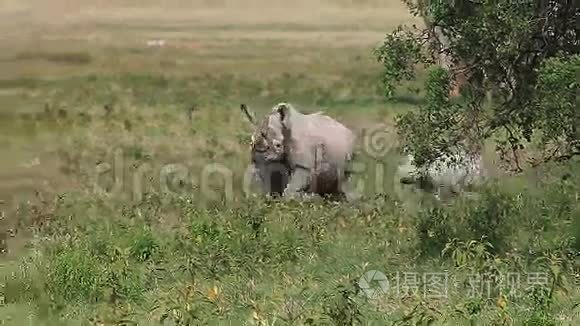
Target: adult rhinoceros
<point>295,153</point>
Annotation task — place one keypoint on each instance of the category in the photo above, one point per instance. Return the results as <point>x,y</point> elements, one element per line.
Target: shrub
<point>144,246</point>
<point>124,281</point>
<point>576,231</point>
<point>74,276</point>
<point>540,315</point>
<point>490,218</point>
<point>342,309</point>
<point>433,230</point>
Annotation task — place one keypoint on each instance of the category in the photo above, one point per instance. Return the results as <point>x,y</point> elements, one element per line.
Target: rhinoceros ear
<point>285,111</point>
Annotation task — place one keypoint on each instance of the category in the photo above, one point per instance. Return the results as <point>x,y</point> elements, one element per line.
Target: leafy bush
<point>540,315</point>
<point>342,309</point>
<point>492,217</point>
<point>555,107</point>
<point>522,51</point>
<point>434,230</point>
<point>576,231</point>
<point>398,54</point>
<point>504,219</point>
<point>427,133</point>
<point>74,276</point>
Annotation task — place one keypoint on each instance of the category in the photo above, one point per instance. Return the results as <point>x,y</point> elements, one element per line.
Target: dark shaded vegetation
<point>72,58</point>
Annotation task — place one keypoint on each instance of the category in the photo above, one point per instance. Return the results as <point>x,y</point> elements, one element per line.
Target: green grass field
<point>122,180</point>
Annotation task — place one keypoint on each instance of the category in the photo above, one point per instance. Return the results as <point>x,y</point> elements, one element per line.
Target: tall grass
<point>254,259</point>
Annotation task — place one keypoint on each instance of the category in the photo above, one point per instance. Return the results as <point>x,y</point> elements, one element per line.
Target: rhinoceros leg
<point>276,178</point>
<point>348,191</point>
<point>299,182</point>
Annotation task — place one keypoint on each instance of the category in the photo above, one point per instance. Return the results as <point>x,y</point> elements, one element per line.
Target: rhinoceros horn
<point>250,115</point>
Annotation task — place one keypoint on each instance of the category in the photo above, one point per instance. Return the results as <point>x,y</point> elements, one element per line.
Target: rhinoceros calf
<point>295,153</point>
<point>444,178</point>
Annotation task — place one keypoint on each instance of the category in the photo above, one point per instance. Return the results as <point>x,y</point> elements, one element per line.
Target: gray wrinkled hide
<point>295,153</point>
<point>443,178</point>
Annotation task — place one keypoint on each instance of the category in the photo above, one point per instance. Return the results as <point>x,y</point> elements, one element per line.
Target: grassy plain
<point>110,215</point>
